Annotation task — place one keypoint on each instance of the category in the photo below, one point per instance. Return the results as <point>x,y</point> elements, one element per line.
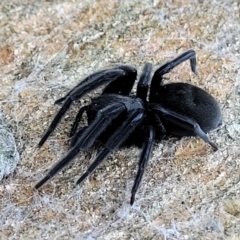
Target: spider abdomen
<point>192,102</point>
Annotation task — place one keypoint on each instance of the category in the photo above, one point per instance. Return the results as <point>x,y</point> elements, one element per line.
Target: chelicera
<point>118,118</point>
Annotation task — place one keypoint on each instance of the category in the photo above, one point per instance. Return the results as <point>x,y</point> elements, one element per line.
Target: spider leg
<point>182,121</point>
<point>77,120</point>
<point>159,126</point>
<point>167,67</point>
<point>143,161</point>
<point>55,121</point>
<point>74,138</point>
<point>89,83</point>
<point>85,141</point>
<point>155,121</point>
<point>123,76</point>
<point>133,120</point>
<point>123,85</point>
<point>188,55</point>
<point>144,80</point>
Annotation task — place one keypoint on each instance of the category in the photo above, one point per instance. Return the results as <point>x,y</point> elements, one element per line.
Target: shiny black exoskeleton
<point>117,119</point>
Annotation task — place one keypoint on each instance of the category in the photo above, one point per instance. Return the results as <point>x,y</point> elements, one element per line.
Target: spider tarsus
<point>44,180</point>
<point>132,199</point>
<point>55,121</point>
<point>194,70</point>
<point>43,139</point>
<point>82,178</point>
<point>60,100</point>
<point>214,146</point>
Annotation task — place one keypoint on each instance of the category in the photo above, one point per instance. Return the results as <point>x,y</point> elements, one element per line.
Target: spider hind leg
<point>180,125</point>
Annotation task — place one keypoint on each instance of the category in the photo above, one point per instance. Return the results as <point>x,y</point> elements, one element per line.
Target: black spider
<point>117,119</point>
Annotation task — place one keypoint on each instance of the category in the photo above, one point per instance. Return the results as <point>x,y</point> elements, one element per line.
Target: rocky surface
<point>188,191</point>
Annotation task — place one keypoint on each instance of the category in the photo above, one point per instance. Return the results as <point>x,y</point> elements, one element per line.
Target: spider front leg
<point>125,74</point>
<point>87,138</point>
<point>123,85</point>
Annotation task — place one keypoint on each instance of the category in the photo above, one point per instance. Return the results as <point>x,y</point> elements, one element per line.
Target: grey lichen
<point>9,155</point>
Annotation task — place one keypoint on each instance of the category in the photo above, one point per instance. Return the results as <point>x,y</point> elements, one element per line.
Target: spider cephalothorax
<point>116,118</point>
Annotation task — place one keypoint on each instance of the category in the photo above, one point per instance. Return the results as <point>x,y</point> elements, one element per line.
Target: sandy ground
<point>188,191</point>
